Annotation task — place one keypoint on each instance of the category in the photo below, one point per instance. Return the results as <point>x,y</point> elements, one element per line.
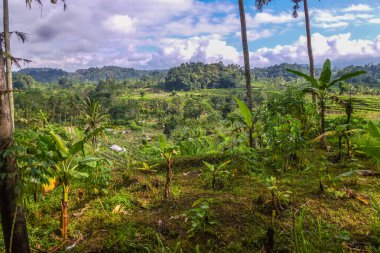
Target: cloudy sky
<point>158,34</point>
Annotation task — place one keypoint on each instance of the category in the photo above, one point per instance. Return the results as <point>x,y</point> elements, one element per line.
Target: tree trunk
<point>168,180</point>
<point>64,224</point>
<point>348,143</point>
<point>340,148</point>
<point>12,216</point>
<point>247,68</point>
<point>309,46</point>
<point>8,63</point>
<point>323,121</point>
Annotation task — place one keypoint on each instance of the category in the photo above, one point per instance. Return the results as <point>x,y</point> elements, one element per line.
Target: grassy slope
<point>242,220</point>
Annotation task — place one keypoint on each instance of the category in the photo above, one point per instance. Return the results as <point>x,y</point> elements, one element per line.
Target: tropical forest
<point>201,126</point>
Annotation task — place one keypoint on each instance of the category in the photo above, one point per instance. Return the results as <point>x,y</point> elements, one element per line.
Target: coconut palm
<point>247,68</point>
<point>23,37</point>
<point>12,215</point>
<point>260,4</point>
<point>94,117</point>
<point>8,62</point>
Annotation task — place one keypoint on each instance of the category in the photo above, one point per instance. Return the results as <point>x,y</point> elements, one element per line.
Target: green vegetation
<point>196,75</point>
<point>197,158</point>
<point>224,195</point>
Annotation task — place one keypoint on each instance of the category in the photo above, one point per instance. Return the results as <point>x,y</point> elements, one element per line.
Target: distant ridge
<point>47,75</point>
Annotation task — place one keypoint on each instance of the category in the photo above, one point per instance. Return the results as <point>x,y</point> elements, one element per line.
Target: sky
<point>159,34</point>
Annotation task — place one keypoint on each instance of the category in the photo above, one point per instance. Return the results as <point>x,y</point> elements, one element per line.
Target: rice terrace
<point>200,126</point>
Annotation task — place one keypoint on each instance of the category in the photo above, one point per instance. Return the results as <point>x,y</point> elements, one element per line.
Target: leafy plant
<point>284,138</point>
<point>247,118</point>
<point>167,151</point>
<point>216,175</point>
<point>340,131</point>
<point>148,168</point>
<point>279,197</point>
<point>200,217</point>
<point>322,86</point>
<point>373,145</point>
<point>66,165</point>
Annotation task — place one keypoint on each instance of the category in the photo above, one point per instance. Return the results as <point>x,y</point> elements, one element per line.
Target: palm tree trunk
<point>309,46</point>
<point>8,63</point>
<point>247,68</point>
<point>12,216</point>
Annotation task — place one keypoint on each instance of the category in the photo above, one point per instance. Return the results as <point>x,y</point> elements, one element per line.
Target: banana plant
<point>373,146</point>
<point>248,119</point>
<point>167,151</point>
<point>66,164</point>
<point>216,173</point>
<point>340,131</point>
<point>321,88</point>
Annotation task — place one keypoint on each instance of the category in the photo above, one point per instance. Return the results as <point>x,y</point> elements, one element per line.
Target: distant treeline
<point>187,76</point>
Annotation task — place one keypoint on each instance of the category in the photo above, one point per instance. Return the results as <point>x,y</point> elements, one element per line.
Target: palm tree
<point>260,4</point>
<point>94,117</point>
<point>12,215</point>
<point>8,62</point>
<point>247,68</point>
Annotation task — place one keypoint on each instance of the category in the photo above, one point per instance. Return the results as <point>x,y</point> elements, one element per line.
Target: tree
<point>321,87</point>
<point>247,68</point>
<point>12,216</point>
<point>94,117</point>
<point>167,151</point>
<point>66,164</point>
<point>261,3</point>
<point>8,62</point>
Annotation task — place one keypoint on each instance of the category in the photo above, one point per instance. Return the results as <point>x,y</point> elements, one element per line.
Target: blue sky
<point>158,34</point>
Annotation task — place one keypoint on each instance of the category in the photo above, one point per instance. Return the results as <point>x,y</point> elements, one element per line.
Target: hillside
<point>46,75</point>
<point>196,75</point>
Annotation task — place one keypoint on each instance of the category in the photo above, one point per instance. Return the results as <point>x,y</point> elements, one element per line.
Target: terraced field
<point>364,105</point>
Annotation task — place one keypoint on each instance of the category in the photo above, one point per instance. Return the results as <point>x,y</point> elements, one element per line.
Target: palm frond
<point>296,7</point>
<point>260,4</point>
<point>39,2</point>
<point>21,36</point>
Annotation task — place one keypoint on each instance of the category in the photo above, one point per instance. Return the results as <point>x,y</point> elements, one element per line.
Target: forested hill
<point>46,75</point>
<point>111,72</point>
<point>196,75</point>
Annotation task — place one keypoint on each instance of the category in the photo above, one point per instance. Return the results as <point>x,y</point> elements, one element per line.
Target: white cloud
<point>120,23</point>
<point>375,20</point>
<point>269,18</point>
<point>330,19</point>
<point>358,7</point>
<point>331,25</point>
<point>204,49</point>
<point>339,48</point>
<point>162,33</point>
<point>257,34</point>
